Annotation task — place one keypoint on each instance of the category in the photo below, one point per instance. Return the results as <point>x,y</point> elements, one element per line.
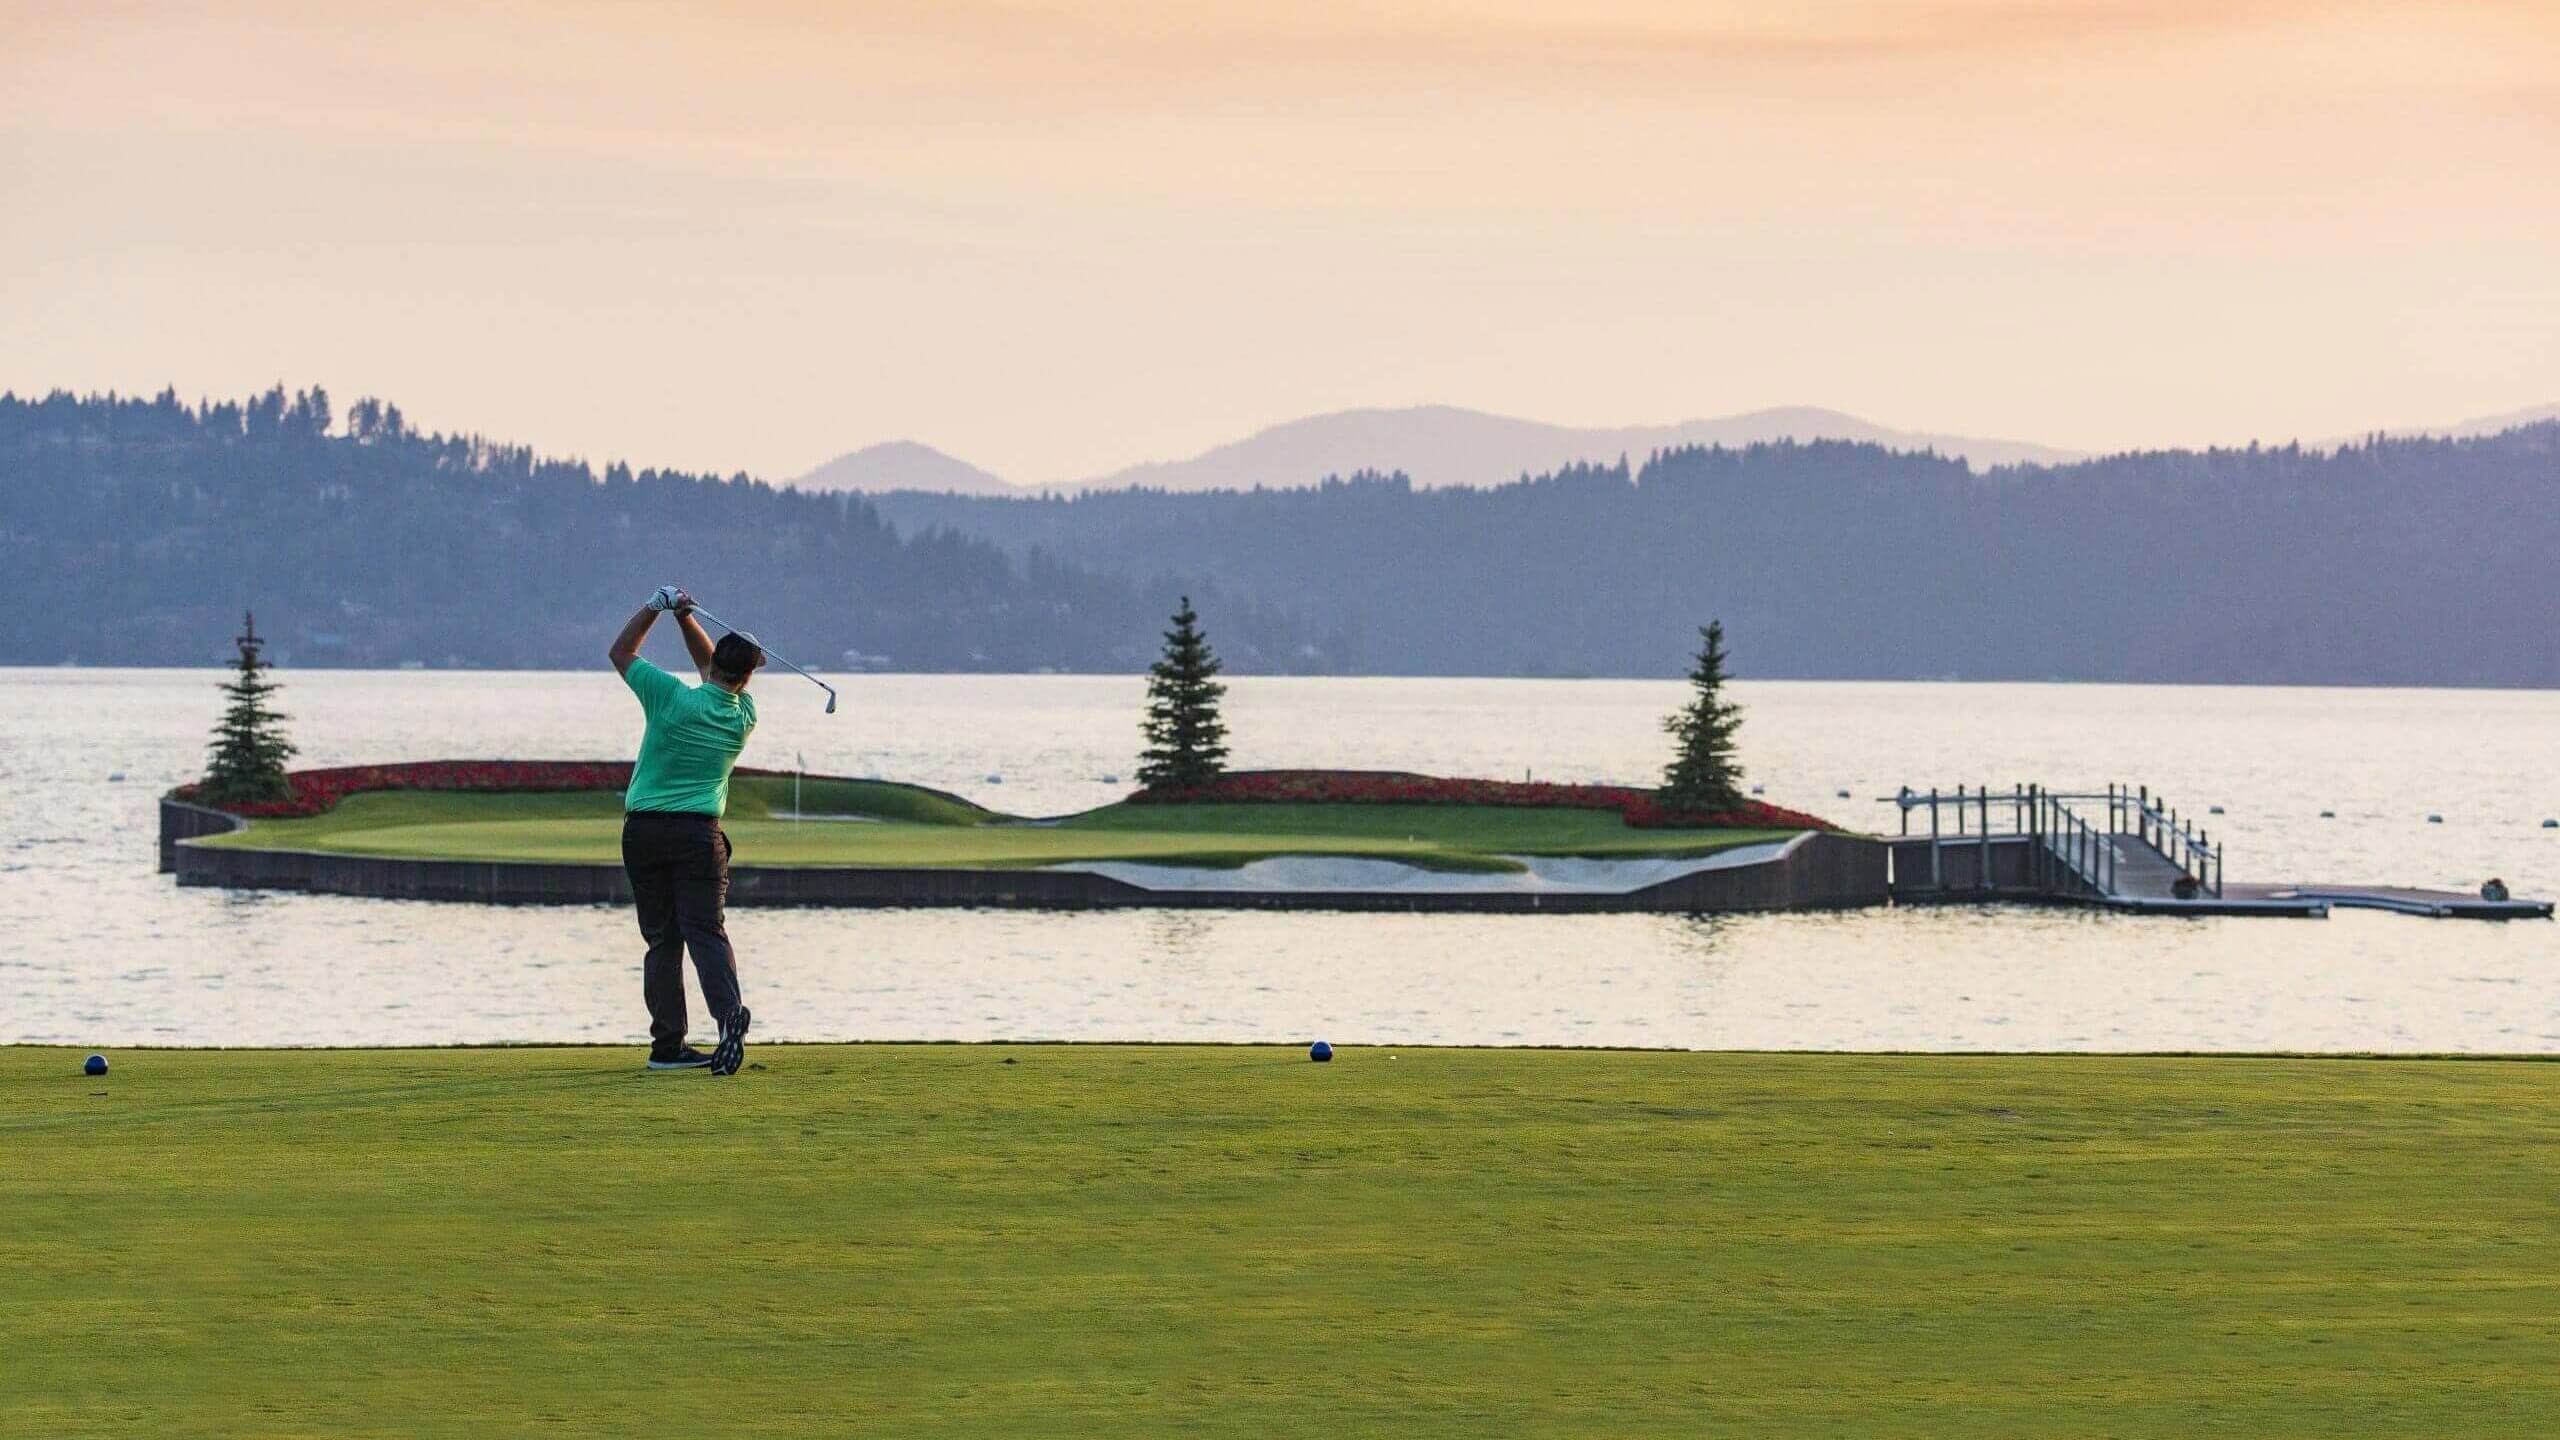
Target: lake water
<point>105,952</point>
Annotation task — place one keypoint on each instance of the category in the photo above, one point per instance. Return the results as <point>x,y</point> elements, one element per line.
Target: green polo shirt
<point>694,736</point>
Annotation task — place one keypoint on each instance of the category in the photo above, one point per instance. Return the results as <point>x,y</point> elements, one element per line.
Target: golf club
<point>769,655</point>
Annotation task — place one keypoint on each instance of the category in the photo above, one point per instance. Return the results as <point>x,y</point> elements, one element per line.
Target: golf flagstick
<point>769,655</point>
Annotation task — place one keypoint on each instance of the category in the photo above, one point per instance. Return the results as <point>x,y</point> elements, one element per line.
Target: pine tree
<point>249,748</point>
<point>1186,741</point>
<point>1704,776</point>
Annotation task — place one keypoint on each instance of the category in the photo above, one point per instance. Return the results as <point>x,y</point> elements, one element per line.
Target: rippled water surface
<point>105,952</point>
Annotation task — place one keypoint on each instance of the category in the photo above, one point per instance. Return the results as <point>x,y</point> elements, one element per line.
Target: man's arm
<point>626,646</point>
<point>697,641</point>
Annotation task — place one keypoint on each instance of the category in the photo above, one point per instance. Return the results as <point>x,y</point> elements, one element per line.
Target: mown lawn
<point>1139,1241</point>
<point>904,826</point>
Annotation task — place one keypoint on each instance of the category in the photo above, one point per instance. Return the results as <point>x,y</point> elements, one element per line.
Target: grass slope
<point>1203,1241</point>
<point>927,828</point>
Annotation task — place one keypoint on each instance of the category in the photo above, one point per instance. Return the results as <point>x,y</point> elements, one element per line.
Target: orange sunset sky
<point>1057,238</point>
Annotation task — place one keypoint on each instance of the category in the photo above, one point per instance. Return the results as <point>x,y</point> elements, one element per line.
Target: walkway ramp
<point>2138,871</point>
<point>2141,878</point>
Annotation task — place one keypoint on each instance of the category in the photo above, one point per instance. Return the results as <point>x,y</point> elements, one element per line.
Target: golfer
<point>672,845</point>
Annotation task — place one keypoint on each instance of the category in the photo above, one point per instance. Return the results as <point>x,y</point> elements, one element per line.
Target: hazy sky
<point>1056,238</point>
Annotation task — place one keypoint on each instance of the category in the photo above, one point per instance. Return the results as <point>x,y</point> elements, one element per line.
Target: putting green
<point>879,824</point>
<point>987,1240</point>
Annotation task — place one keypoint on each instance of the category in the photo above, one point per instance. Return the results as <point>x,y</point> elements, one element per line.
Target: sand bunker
<point>1338,874</point>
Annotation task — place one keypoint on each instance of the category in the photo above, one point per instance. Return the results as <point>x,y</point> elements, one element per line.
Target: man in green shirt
<point>673,848</point>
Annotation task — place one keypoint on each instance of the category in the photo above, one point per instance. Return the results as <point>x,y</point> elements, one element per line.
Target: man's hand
<point>666,599</point>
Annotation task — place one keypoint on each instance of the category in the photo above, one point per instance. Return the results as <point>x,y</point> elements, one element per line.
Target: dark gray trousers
<point>679,870</point>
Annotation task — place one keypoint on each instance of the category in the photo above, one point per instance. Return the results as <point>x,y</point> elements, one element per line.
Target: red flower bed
<point>1648,813</point>
<point>317,790</point>
<point>1642,808</point>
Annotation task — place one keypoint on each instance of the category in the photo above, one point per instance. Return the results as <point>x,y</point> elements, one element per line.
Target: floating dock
<point>2117,849</point>
<point>2399,899</point>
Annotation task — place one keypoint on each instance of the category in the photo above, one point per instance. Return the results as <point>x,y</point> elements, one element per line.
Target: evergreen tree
<point>1704,776</point>
<point>1186,741</point>
<point>249,748</point>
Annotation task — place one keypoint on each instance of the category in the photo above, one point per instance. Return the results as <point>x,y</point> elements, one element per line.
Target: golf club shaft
<point>770,655</point>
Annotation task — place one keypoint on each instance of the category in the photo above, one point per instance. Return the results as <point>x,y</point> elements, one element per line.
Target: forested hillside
<point>135,531</point>
<point>140,529</point>
<point>2408,562</point>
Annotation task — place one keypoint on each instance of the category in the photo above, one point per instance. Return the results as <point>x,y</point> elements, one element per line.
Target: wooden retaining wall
<point>182,821</point>
<point>1997,867</point>
<point>1815,872</point>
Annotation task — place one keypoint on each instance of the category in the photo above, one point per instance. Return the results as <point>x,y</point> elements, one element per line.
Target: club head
<point>831,702</point>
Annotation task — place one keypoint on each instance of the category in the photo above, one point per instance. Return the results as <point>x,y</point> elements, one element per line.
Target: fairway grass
<point>872,823</point>
<point>1158,1241</point>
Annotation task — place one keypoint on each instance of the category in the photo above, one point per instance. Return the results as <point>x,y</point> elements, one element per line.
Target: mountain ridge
<point>903,465</point>
<point>1436,445</point>
<point>1445,446</point>
<point>1440,446</point>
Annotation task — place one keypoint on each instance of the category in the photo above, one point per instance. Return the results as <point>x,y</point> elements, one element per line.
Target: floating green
<point>877,823</point>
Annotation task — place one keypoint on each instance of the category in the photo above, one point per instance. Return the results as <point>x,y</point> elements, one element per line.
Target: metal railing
<point>2189,846</point>
<point>1967,817</point>
<point>2075,844</point>
<point>2062,836</point>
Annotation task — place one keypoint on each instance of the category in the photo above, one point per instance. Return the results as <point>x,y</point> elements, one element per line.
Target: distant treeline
<point>141,528</point>
<point>2395,562</point>
<point>135,532</point>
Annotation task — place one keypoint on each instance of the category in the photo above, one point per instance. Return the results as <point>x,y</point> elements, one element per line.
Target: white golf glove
<point>670,598</point>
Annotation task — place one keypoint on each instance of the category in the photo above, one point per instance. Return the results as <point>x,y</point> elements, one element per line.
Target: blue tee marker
<point>94,1065</point>
<point>1319,1052</point>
